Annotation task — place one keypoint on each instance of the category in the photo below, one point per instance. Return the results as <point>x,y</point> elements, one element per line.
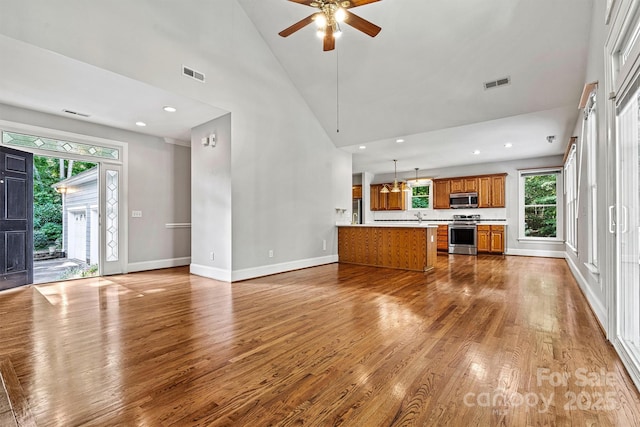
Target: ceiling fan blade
<point>308,2</point>
<point>354,3</point>
<point>362,24</point>
<point>329,40</point>
<point>298,25</point>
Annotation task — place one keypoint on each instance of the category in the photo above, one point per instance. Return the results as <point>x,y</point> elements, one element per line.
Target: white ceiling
<point>45,81</point>
<point>420,79</point>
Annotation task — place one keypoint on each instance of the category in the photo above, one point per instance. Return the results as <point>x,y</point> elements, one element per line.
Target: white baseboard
<point>596,305</point>
<point>250,273</point>
<point>535,252</point>
<point>210,272</point>
<point>629,361</point>
<point>157,264</point>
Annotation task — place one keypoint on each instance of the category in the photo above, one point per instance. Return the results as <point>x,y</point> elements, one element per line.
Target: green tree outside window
<point>540,205</point>
<point>420,197</point>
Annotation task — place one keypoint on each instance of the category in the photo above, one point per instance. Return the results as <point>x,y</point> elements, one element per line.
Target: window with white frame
<point>591,140</point>
<point>421,195</point>
<point>571,198</point>
<point>539,207</point>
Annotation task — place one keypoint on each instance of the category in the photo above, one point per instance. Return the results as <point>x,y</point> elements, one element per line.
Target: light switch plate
<point>136,214</point>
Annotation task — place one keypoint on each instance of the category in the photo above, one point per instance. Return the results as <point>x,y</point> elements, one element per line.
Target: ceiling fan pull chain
<point>337,92</point>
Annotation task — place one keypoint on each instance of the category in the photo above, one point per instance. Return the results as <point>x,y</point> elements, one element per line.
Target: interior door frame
<point>121,267</point>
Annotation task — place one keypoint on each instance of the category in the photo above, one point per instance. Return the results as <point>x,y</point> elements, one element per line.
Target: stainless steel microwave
<point>463,200</point>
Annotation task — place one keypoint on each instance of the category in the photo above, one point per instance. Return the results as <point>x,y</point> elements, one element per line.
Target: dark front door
<point>16,218</point>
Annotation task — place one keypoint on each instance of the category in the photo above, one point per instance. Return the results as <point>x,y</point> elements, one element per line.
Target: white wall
<point>593,285</point>
<point>510,212</point>
<point>158,185</point>
<point>211,200</point>
<point>284,168</point>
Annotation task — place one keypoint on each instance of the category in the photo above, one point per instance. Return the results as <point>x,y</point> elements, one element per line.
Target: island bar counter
<point>405,247</point>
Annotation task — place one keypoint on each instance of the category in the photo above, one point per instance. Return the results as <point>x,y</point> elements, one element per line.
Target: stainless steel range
<point>463,235</point>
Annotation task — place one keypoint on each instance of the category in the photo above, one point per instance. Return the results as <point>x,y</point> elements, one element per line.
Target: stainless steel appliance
<point>356,215</point>
<point>463,200</point>
<point>463,235</point>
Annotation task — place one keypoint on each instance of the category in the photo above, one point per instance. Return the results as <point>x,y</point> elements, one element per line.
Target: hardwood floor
<point>479,341</point>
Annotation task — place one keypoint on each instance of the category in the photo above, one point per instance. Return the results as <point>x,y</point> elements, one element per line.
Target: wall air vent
<point>190,72</point>
<point>75,113</point>
<point>497,83</point>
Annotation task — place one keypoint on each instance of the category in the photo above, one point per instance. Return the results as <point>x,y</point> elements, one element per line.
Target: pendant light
<point>417,181</point>
<point>395,188</point>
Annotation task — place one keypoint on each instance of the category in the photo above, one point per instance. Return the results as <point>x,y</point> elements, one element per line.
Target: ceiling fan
<point>328,19</point>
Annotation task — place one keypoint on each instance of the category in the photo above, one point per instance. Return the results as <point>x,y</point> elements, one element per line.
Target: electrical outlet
<point>324,245</point>
<point>211,256</point>
<point>270,253</point>
<point>431,239</point>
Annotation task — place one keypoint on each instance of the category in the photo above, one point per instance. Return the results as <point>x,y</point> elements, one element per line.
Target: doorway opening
<point>65,219</point>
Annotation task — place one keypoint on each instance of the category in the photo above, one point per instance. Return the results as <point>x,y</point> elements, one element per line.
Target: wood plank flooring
<point>480,341</point>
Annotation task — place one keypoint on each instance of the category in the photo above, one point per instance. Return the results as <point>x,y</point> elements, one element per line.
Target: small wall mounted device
<point>209,140</point>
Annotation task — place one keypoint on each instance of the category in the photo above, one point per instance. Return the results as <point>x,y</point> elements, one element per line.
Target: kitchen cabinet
<point>491,239</point>
<point>464,185</point>
<point>443,237</point>
<point>406,248</point>
<point>376,199</point>
<point>387,201</point>
<point>470,185</point>
<point>456,185</point>
<point>491,191</point>
<point>356,192</point>
<point>442,189</point>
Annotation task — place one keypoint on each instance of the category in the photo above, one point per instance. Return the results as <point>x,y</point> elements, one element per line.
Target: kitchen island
<point>401,246</point>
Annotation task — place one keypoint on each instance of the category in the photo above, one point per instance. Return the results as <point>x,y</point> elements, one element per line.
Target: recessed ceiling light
<point>399,141</point>
<point>169,109</point>
<point>141,124</point>
<point>508,145</point>
<point>363,147</point>
<point>476,152</point>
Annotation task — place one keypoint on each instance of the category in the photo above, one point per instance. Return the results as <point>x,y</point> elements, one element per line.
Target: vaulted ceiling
<point>420,80</point>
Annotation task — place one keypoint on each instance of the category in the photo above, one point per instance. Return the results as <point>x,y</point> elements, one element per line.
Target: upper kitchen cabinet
<point>464,185</point>
<point>387,201</point>
<point>356,191</point>
<point>491,191</point>
<point>377,202</point>
<point>442,189</point>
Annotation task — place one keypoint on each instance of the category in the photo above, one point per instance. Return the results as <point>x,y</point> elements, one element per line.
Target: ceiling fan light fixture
<point>340,15</point>
<point>320,33</point>
<point>321,20</point>
<point>337,33</point>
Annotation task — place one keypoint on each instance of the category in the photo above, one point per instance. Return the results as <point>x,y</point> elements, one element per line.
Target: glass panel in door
<point>629,228</point>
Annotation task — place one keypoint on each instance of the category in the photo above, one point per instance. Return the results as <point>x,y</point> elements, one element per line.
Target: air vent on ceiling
<point>190,72</point>
<point>497,83</point>
<point>75,113</point>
